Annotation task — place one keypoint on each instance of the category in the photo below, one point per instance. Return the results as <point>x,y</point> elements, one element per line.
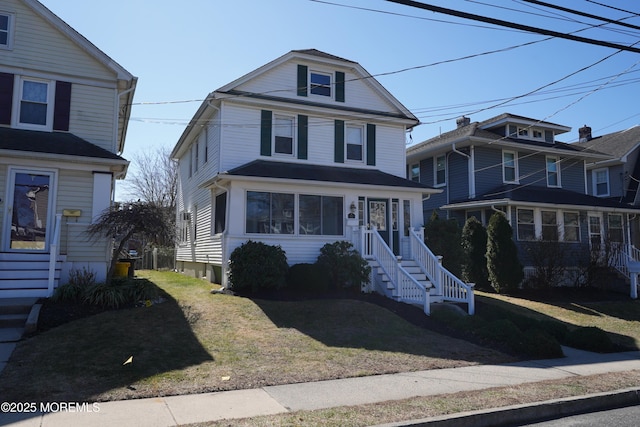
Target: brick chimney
<point>584,134</point>
<point>462,121</point>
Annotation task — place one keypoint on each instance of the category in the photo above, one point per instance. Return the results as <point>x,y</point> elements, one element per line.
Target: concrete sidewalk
<point>179,410</point>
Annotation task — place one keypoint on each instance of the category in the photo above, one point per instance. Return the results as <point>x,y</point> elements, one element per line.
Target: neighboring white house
<point>303,151</point>
<point>64,109</point>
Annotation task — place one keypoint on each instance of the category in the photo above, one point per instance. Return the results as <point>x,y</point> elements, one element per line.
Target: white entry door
<point>29,210</point>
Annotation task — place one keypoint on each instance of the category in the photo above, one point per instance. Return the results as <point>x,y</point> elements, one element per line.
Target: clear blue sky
<point>181,51</point>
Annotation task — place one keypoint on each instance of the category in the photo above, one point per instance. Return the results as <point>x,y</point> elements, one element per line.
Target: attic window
<point>523,132</point>
<point>320,84</point>
<point>6,24</point>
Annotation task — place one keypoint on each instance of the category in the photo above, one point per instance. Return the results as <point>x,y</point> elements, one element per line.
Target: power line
<point>614,8</point>
<point>585,14</point>
<point>514,25</point>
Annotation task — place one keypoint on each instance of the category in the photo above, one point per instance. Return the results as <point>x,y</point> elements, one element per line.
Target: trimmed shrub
<point>443,236</point>
<point>557,330</point>
<point>503,331</point>
<point>590,338</point>
<point>505,270</point>
<point>255,266</point>
<point>344,265</point>
<point>311,278</point>
<point>474,248</point>
<point>539,344</point>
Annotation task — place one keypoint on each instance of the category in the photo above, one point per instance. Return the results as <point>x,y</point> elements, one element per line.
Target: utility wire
<point>586,15</point>
<point>517,26</point>
<point>614,8</point>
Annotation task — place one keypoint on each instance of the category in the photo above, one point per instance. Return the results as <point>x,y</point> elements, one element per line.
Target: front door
<point>378,212</point>
<point>29,205</point>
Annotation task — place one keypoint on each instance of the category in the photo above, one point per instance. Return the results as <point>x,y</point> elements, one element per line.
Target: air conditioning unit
<point>186,216</point>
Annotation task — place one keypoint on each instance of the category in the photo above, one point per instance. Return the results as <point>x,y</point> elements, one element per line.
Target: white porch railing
<point>627,261</point>
<point>406,288</point>
<point>54,251</point>
<point>446,283</point>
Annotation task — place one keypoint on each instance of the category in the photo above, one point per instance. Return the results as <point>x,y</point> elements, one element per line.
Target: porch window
<point>571,226</point>
<point>526,225</point>
<point>440,170</point>
<point>269,213</point>
<point>616,234</point>
<point>509,167</point>
<point>549,226</point>
<point>552,172</point>
<point>220,213</point>
<point>320,215</point>
<point>406,209</point>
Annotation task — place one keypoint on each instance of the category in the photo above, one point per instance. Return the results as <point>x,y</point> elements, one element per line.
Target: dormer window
<point>537,134</point>
<point>523,132</point>
<point>6,24</point>
<point>320,84</point>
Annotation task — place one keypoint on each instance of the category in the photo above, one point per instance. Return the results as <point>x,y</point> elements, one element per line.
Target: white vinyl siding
<point>36,42</point>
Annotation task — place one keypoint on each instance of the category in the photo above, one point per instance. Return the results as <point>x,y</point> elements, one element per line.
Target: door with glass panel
<point>28,212</point>
<point>378,217</point>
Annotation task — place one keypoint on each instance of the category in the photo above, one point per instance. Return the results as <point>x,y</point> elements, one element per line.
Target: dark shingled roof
<point>552,196</point>
<point>52,143</point>
<point>309,172</point>
<point>617,144</point>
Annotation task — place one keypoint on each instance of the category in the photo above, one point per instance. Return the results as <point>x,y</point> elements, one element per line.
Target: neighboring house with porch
<point>515,165</point>
<point>306,150</point>
<point>64,109</point>
<point>616,178</point>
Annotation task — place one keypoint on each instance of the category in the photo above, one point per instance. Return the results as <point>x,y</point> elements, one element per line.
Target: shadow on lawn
<point>82,359</point>
<point>486,308</point>
<point>348,321</point>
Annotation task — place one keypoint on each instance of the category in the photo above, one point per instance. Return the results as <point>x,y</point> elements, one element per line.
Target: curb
<point>31,324</point>
<point>528,413</point>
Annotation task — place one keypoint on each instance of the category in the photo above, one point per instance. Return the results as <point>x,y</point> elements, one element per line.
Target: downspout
<point>116,113</point>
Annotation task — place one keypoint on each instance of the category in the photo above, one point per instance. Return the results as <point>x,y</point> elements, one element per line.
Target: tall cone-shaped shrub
<point>474,246</point>
<point>503,265</point>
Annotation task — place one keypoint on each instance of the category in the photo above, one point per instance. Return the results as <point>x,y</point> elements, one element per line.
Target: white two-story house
<point>64,108</point>
<point>303,151</point>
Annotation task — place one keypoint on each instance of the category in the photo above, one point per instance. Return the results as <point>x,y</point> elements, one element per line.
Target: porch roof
<point>541,196</point>
<point>267,169</point>
<point>60,143</point>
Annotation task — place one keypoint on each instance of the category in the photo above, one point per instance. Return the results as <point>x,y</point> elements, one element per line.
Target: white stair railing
<point>405,287</point>
<point>446,283</point>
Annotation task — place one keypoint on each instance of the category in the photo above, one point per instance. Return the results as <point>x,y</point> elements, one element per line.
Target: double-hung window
<point>414,172</point>
<point>601,182</point>
<point>355,142</point>
<point>616,234</point>
<point>34,103</point>
<point>571,226</point>
<point>6,24</point>
<point>526,225</point>
<point>283,130</point>
<point>549,226</point>
<point>320,84</point>
<point>440,170</point>
<point>553,172</point>
<point>509,167</point>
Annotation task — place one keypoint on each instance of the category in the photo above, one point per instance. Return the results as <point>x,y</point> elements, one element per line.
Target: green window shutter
<point>339,141</point>
<point>302,80</point>
<point>265,133</point>
<point>339,86</point>
<point>371,144</point>
<point>303,136</point>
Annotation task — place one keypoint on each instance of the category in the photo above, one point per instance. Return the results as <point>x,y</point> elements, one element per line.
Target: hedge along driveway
<point>199,342</point>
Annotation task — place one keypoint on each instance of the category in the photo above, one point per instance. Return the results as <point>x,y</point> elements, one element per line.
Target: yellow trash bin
<point>122,269</point>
